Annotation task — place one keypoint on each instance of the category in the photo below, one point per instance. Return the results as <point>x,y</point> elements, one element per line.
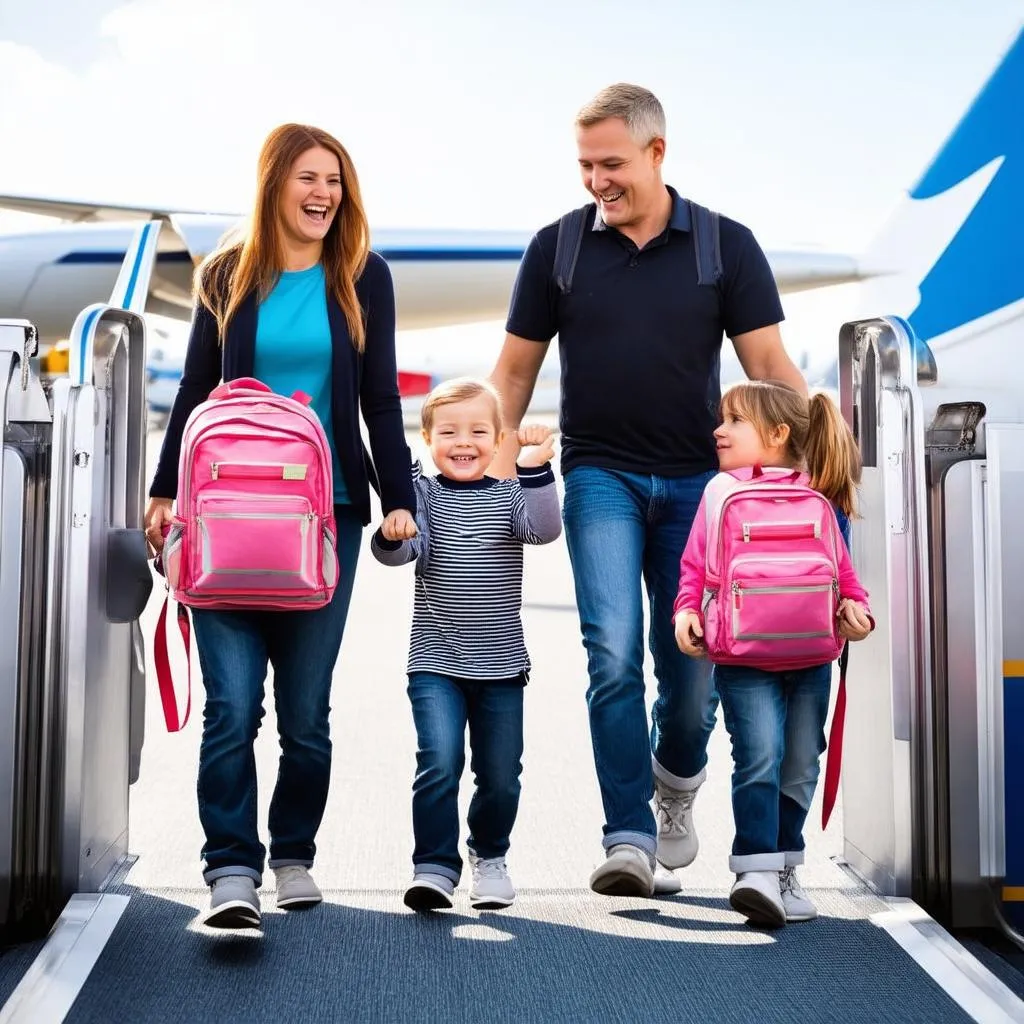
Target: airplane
<point>969,201</point>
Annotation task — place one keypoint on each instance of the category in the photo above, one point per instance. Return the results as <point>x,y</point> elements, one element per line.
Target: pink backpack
<point>254,525</point>
<point>772,571</point>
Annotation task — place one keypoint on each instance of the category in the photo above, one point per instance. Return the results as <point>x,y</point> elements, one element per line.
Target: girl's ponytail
<point>833,460</point>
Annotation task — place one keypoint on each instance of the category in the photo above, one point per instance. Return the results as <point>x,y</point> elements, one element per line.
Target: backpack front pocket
<point>256,544</point>
<point>795,608</point>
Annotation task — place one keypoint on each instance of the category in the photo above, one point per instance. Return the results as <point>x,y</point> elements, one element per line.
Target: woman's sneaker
<point>492,888</point>
<point>233,903</point>
<point>757,896</point>
<point>797,903</point>
<point>295,887</point>
<point>429,892</point>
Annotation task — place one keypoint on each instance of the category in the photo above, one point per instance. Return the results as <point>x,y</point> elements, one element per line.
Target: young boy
<point>467,658</point>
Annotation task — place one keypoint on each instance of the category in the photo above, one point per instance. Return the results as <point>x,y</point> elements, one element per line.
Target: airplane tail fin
<point>949,258</point>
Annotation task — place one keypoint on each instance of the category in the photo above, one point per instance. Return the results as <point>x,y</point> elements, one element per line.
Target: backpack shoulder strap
<point>707,243</point>
<point>567,246</point>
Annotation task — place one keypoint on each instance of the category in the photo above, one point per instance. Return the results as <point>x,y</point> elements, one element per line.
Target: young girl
<point>468,661</point>
<point>776,718</point>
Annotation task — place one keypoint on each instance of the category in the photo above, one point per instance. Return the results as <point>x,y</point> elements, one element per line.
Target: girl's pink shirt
<point>693,563</point>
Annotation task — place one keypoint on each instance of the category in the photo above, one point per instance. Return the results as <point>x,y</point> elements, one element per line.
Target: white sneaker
<point>492,888</point>
<point>797,903</point>
<point>295,887</point>
<point>233,903</point>
<point>666,883</point>
<point>429,892</point>
<point>757,896</point>
<point>677,838</point>
<point>627,871</point>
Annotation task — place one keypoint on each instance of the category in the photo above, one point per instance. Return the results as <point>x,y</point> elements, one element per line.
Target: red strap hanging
<point>163,666</point>
<point>834,757</point>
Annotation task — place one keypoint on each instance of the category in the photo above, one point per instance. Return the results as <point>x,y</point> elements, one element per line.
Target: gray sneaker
<point>429,892</point>
<point>627,871</point>
<point>295,887</point>
<point>492,888</point>
<point>665,882</point>
<point>233,903</point>
<point>797,903</point>
<point>677,838</point>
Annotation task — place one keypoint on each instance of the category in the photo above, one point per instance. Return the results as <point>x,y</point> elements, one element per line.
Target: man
<point>640,339</point>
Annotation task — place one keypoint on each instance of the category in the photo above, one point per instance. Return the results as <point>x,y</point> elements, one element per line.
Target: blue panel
<point>981,270</point>
<point>1013,759</point>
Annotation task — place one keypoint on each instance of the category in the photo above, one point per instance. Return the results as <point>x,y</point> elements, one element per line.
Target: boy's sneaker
<point>295,887</point>
<point>233,903</point>
<point>492,888</point>
<point>677,838</point>
<point>757,896</point>
<point>429,892</point>
<point>797,903</point>
<point>627,871</point>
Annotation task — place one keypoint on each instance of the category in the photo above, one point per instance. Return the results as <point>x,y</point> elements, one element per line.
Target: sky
<point>805,120</point>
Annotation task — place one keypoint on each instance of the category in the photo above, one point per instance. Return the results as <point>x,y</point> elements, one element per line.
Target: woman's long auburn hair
<point>237,268</point>
<point>819,437</point>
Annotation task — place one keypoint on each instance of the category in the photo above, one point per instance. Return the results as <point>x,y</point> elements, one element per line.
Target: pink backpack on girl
<point>254,525</point>
<point>772,571</point>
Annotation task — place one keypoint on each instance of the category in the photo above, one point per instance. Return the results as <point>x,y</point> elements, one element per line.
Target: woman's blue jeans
<point>235,648</point>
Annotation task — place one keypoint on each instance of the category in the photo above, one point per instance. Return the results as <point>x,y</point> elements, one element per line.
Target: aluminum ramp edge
<point>52,983</point>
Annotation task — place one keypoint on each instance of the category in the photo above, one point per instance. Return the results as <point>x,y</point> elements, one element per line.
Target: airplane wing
<point>84,212</point>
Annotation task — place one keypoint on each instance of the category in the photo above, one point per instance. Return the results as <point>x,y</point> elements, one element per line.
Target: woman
<point>301,304</point>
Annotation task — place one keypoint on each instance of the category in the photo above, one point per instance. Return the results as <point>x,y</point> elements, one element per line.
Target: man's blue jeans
<point>234,649</point>
<point>442,707</point>
<point>777,724</point>
<point>621,528</point>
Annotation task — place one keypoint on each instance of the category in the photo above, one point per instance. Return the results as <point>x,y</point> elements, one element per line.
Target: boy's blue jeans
<point>622,528</point>
<point>442,707</point>
<point>777,724</point>
<point>234,649</point>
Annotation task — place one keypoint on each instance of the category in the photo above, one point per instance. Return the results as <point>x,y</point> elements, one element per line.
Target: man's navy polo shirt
<point>640,340</point>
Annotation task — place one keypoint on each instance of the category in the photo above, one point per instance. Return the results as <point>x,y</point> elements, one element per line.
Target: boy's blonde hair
<point>819,437</point>
<point>459,389</point>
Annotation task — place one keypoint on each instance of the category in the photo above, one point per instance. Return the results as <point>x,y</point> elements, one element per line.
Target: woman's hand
<point>398,525</point>
<point>158,512</point>
<point>690,633</point>
<point>854,621</point>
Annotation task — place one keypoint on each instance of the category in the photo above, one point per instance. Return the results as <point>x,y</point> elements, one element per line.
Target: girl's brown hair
<point>227,276</point>
<point>819,437</point>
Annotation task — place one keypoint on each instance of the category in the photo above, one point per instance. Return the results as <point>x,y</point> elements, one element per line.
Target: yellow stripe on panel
<point>1013,669</point>
<point>1013,893</point>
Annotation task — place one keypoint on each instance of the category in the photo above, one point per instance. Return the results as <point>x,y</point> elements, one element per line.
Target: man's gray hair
<point>638,107</point>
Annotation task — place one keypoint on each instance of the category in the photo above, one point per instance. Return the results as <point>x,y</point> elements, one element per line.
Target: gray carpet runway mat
<point>553,957</point>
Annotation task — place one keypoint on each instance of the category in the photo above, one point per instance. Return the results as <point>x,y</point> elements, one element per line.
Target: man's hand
<point>541,442</point>
<point>690,633</point>
<point>854,623</point>
<point>399,525</point>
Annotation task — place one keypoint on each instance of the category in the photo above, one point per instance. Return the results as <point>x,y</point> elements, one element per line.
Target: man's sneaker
<point>797,903</point>
<point>757,896</point>
<point>492,888</point>
<point>233,903</point>
<point>429,892</point>
<point>677,838</point>
<point>666,883</point>
<point>627,871</point>
<point>295,887</point>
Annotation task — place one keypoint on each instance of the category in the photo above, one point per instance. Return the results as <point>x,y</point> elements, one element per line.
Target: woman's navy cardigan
<point>368,381</point>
